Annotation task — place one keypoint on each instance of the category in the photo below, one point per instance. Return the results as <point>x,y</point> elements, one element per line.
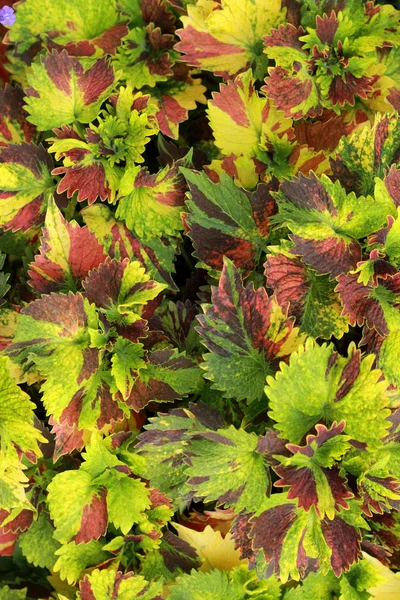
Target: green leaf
<point>231,467</point>
<point>13,482</point>
<point>318,386</point>
<point>266,589</point>
<point>62,91</point>
<point>392,241</point>
<point>127,359</point>
<point>214,585</point>
<point>98,457</point>
<point>103,584</point>
<point>315,586</point>
<point>127,499</point>
<point>4,277</point>
<point>73,559</point>
<point>7,593</point>
<point>363,576</point>
<point>17,434</point>
<point>16,415</point>
<point>38,544</point>
<point>94,22</point>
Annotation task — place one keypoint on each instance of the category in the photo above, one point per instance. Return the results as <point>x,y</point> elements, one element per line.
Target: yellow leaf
<point>244,122</point>
<point>226,37</point>
<point>214,550</point>
<point>390,589</point>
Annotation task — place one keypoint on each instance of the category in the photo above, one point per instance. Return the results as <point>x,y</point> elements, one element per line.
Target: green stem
<point>186,258</point>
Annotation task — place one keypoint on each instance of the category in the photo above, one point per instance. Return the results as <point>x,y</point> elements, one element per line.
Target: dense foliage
<point>200,300</point>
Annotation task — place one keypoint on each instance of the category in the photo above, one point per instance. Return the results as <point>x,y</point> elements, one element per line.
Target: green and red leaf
<point>375,304</point>
<point>89,28</point>
<point>82,171</point>
<point>368,154</point>
<point>59,329</point>
<point>67,254</point>
<point>225,220</point>
<point>175,97</point>
<point>247,334</point>
<point>167,376</point>
<point>26,185</point>
<point>290,84</point>
<point>311,297</point>
<point>326,223</point>
<point>121,290</point>
<point>288,538</point>
<point>88,521</point>
<point>151,204</point>
<point>156,255</point>
<point>243,122</point>
<point>312,475</point>
<point>166,441</point>
<point>14,127</point>
<point>118,586</point>
<point>63,91</point>
<point>92,161</point>
<point>224,37</point>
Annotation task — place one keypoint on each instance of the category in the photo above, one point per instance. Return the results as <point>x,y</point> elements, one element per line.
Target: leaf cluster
<point>200,300</point>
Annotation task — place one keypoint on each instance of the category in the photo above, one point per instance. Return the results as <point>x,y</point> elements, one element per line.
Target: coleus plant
<point>199,300</point>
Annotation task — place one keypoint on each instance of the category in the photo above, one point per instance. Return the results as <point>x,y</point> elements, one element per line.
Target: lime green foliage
<point>352,585</point>
<point>237,584</point>
<point>320,385</point>
<point>200,300</point>
<point>214,585</point>
<point>17,433</point>
<point>8,594</point>
<point>16,415</point>
<point>75,558</point>
<point>38,544</point>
